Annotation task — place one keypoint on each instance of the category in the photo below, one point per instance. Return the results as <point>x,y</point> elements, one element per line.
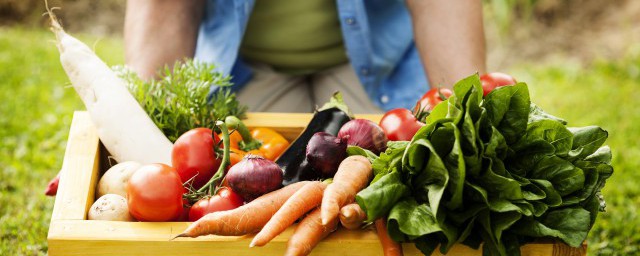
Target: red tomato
<point>226,199</point>
<point>193,156</point>
<point>184,215</point>
<point>492,80</point>
<point>400,124</point>
<point>430,99</point>
<point>155,193</point>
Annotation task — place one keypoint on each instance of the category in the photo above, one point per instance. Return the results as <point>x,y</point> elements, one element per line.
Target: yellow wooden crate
<point>70,233</point>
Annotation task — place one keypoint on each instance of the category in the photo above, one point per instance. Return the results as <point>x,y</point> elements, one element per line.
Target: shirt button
<point>350,21</point>
<point>364,71</point>
<point>384,99</point>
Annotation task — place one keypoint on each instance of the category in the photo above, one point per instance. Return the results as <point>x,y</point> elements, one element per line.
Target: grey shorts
<point>270,91</point>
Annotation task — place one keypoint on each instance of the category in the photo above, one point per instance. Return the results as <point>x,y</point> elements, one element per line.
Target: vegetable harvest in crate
<point>483,167</point>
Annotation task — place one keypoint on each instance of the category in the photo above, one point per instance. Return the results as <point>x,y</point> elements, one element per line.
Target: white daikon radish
<point>123,126</point>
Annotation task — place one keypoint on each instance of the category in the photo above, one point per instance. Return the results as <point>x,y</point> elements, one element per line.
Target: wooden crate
<point>70,233</point>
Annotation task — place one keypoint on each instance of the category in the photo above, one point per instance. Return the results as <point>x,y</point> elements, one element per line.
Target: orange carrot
<point>389,247</point>
<point>249,218</point>
<point>353,175</point>
<point>352,216</point>
<point>303,201</point>
<point>308,234</point>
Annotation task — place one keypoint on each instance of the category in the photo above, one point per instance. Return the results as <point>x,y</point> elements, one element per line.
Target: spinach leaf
<point>571,225</point>
<point>565,177</point>
<point>440,111</point>
<point>454,162</point>
<point>537,114</point>
<point>390,160</point>
<point>432,179</point>
<point>470,85</point>
<point>586,140</point>
<point>552,198</point>
<point>417,220</point>
<point>378,199</point>
<point>508,110</point>
<point>550,131</point>
<point>355,150</point>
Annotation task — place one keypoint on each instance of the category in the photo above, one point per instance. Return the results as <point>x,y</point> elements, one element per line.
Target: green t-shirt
<point>295,37</point>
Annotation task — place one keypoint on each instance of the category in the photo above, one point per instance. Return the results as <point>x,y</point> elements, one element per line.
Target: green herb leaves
<point>497,170</point>
<point>179,100</point>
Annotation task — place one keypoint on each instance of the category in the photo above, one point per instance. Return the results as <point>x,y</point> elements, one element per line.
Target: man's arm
<point>450,38</point>
<point>158,33</point>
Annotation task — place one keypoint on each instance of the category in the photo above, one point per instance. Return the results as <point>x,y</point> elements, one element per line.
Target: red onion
<point>365,134</point>
<point>254,176</point>
<point>52,187</point>
<point>325,152</point>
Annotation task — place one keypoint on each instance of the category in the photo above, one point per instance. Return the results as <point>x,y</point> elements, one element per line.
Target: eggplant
<point>329,118</point>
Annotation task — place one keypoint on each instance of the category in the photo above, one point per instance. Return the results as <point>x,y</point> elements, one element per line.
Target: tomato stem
<point>441,95</point>
<point>421,113</point>
<point>248,142</point>
<point>211,185</point>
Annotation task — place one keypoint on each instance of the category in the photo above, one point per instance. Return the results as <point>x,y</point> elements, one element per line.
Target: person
<point>289,56</point>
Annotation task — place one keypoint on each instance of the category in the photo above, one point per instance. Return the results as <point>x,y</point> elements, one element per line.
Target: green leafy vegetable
<point>497,170</point>
<point>180,99</point>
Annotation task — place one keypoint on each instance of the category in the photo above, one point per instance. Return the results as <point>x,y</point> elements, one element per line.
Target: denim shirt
<point>377,35</point>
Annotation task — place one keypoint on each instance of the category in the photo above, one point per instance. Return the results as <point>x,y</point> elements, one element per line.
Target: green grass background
<point>37,102</point>
<point>36,106</point>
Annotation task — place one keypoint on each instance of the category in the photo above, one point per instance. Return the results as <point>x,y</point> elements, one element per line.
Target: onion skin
<point>254,176</point>
<point>365,134</point>
<point>325,152</point>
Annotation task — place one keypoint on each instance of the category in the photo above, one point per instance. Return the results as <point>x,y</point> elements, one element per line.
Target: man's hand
<point>450,38</point>
<point>158,33</point>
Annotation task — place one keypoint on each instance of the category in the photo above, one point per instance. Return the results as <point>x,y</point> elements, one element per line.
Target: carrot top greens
<point>181,99</point>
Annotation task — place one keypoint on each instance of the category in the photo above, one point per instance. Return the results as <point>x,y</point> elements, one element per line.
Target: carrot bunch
<point>317,203</point>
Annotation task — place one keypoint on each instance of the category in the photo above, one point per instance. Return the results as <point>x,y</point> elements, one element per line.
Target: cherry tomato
<point>492,80</point>
<point>225,199</point>
<point>193,155</point>
<point>400,124</point>
<point>154,193</point>
<point>430,99</point>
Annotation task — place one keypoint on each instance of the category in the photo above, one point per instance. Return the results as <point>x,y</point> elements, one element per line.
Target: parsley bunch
<point>180,99</point>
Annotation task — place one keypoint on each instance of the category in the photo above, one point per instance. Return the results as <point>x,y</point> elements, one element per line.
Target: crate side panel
<point>79,170</point>
<point>139,238</point>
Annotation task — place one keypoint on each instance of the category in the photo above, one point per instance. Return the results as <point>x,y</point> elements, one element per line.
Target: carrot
<point>308,234</point>
<point>352,216</point>
<point>389,247</point>
<point>249,218</point>
<point>353,175</point>
<point>303,201</point>
<point>123,126</point>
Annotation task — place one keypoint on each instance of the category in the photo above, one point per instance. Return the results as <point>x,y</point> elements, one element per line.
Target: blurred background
<point>581,59</point>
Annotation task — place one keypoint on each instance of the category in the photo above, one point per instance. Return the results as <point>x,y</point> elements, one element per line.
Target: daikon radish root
<point>122,125</point>
<point>353,175</point>
<point>352,216</point>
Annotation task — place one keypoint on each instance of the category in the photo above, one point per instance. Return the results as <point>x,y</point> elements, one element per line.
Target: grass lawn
<point>37,105</point>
